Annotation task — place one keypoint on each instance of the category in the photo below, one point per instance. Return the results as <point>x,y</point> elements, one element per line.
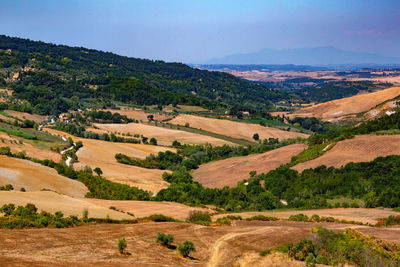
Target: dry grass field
<point>96,245</point>
<point>351,214</point>
<point>139,114</point>
<point>97,153</point>
<point>26,116</point>
<point>34,177</point>
<point>31,151</point>
<point>229,172</point>
<point>146,208</point>
<point>338,109</point>
<point>164,136</point>
<point>52,202</point>
<point>238,130</point>
<point>359,149</point>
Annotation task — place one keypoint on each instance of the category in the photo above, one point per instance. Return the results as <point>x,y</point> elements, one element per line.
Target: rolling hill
<point>162,83</point>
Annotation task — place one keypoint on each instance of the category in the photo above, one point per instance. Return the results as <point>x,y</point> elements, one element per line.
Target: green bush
<point>122,245</point>
<point>186,248</point>
<point>159,218</point>
<point>299,218</point>
<point>165,240</point>
<point>199,216</point>
<point>262,218</point>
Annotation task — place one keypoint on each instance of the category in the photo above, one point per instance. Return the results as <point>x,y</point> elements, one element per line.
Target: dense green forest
<point>87,65</point>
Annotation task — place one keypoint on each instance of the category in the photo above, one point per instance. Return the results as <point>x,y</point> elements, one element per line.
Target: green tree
<point>122,245</point>
<point>98,171</point>
<point>256,137</point>
<point>371,200</point>
<point>186,247</point>
<point>153,141</point>
<point>165,240</point>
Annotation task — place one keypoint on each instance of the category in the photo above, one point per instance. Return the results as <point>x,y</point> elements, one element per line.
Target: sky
<point>194,31</point>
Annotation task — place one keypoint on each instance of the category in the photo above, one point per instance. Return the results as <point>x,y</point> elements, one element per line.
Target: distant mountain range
<point>318,56</point>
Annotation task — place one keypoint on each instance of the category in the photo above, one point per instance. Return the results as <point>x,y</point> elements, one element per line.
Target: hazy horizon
<point>195,32</point>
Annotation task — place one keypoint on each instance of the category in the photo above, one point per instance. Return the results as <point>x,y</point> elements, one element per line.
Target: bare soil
<point>146,208</point>
<point>238,130</point>
<point>359,149</point>
<point>52,202</point>
<point>34,177</point>
<point>229,172</point>
<point>97,244</point>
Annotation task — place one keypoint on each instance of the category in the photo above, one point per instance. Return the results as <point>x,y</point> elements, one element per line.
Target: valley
<point>247,169</point>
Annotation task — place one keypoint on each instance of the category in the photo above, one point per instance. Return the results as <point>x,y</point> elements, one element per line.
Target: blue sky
<point>195,31</point>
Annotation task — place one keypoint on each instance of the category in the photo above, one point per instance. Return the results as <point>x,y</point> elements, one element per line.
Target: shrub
<point>199,216</point>
<point>159,218</point>
<point>223,221</point>
<point>122,245</point>
<point>186,247</point>
<point>299,218</point>
<point>262,218</point>
<point>165,240</point>
<point>345,205</point>
<point>265,252</point>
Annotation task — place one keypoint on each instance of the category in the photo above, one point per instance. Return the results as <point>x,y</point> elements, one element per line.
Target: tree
<point>122,245</point>
<point>150,117</point>
<point>371,200</point>
<point>256,137</point>
<point>153,141</point>
<point>186,247</point>
<point>165,240</point>
<point>98,171</point>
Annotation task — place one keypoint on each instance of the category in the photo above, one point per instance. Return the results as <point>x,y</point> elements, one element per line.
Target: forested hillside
<point>84,67</point>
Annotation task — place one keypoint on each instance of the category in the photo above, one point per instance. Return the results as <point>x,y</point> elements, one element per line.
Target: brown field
<point>238,130</point>
<point>164,136</point>
<point>31,151</point>
<point>359,149</point>
<point>52,202</point>
<point>34,177</point>
<point>229,172</point>
<point>338,109</point>
<point>23,115</point>
<point>351,214</point>
<point>146,208</point>
<point>97,153</point>
<point>139,114</point>
<point>96,245</point>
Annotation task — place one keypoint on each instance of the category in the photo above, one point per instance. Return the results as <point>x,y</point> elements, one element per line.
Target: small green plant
<point>265,252</point>
<point>199,216</point>
<point>122,245</point>
<point>165,240</point>
<point>186,247</point>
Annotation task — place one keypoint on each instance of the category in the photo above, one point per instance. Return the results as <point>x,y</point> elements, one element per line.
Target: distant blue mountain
<point>318,56</point>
